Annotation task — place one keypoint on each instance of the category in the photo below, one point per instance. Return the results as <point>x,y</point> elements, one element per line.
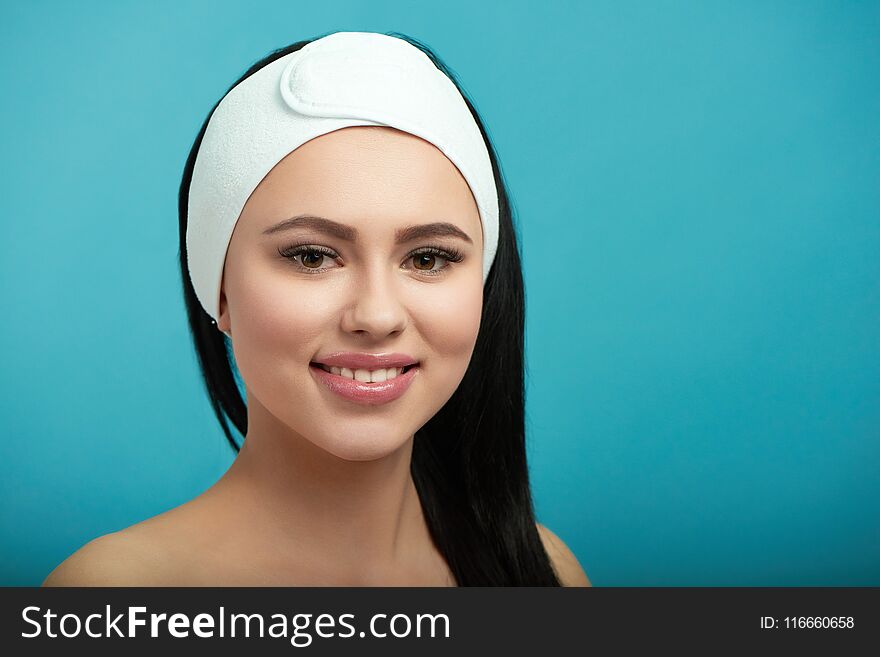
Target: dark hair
<point>469,460</point>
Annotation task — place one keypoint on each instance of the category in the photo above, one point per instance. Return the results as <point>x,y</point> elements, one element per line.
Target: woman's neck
<point>362,521</point>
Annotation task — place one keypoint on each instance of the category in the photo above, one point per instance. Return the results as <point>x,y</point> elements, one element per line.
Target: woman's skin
<point>321,491</point>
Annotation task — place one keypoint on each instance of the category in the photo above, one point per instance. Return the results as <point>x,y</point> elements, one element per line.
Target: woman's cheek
<point>277,330</point>
<point>450,324</point>
<point>282,311</point>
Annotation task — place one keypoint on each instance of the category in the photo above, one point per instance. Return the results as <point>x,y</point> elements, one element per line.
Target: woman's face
<point>369,288</point>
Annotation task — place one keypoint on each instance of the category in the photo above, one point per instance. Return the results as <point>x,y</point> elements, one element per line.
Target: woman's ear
<point>223,322</point>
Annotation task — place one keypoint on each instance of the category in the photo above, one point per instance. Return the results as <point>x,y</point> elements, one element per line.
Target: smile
<point>363,386</point>
<point>366,376</point>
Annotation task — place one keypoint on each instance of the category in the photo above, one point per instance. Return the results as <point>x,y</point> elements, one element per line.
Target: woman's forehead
<point>373,178</point>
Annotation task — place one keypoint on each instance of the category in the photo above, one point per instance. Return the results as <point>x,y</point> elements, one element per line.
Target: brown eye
<point>426,259</point>
<point>311,259</point>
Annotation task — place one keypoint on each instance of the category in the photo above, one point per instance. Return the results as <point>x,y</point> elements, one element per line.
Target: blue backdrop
<point>697,186</point>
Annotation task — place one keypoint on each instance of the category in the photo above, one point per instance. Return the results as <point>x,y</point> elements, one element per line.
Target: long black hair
<point>469,460</point>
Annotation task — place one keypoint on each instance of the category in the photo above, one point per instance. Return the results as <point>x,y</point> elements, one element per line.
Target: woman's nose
<point>376,307</point>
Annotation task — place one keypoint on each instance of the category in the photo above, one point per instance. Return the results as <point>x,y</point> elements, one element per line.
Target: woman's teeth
<point>364,376</point>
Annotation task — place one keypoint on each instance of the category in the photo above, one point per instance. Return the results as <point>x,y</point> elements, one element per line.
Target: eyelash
<point>449,254</point>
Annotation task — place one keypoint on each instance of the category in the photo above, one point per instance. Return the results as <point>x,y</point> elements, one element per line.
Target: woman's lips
<point>365,393</point>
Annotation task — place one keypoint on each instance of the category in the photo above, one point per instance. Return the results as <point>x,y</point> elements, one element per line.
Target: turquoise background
<point>698,192</point>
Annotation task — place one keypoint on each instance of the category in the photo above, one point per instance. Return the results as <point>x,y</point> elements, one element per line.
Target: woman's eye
<point>426,261</point>
<point>308,258</point>
<point>312,259</point>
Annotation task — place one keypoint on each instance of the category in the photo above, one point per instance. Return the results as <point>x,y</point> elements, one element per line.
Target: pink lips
<point>358,391</point>
<point>364,361</point>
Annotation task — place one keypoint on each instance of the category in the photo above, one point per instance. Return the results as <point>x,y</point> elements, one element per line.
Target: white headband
<point>340,80</point>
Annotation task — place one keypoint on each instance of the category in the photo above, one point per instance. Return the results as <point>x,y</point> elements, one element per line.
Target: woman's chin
<point>362,450</point>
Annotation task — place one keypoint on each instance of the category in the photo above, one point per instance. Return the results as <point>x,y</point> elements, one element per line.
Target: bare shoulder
<point>564,562</point>
<point>116,559</point>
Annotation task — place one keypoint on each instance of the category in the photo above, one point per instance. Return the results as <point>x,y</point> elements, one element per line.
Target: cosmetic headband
<point>340,80</point>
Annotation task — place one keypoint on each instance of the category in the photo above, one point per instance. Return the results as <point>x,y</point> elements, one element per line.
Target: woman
<point>368,291</point>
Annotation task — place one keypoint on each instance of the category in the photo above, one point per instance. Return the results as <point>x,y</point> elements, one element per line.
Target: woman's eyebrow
<point>349,234</point>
